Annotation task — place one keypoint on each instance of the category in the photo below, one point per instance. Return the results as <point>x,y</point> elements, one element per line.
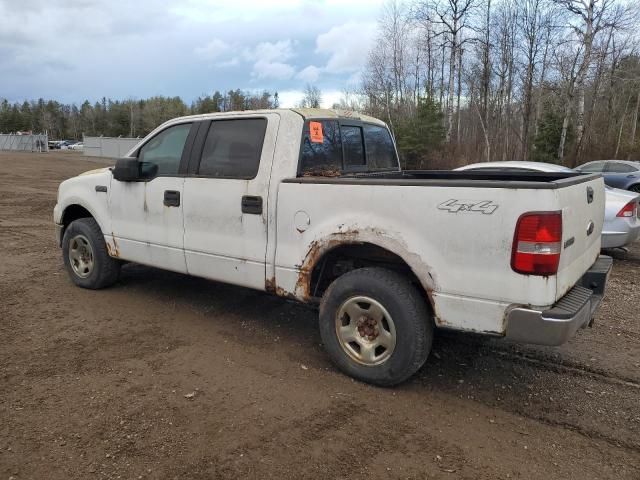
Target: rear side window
<point>233,148</point>
<point>321,148</point>
<point>381,154</point>
<point>615,167</point>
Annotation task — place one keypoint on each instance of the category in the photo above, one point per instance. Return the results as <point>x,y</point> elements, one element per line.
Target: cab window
<point>165,149</point>
<point>330,147</point>
<point>381,154</point>
<point>321,147</point>
<point>233,148</point>
<point>353,147</point>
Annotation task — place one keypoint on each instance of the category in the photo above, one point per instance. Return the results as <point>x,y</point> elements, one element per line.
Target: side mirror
<point>126,170</point>
<point>129,169</point>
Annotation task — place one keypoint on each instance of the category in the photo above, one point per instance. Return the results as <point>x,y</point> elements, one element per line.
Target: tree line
<point>476,80</point>
<point>113,118</point>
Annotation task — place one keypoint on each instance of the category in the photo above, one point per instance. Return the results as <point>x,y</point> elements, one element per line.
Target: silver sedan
<point>621,222</point>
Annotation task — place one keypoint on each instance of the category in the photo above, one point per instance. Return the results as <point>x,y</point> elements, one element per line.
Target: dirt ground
<point>167,376</point>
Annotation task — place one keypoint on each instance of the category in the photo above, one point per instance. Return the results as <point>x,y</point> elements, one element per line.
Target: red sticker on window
<point>316,132</point>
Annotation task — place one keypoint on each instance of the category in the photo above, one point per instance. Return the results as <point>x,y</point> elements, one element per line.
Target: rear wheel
<point>375,326</point>
<point>85,255</point>
<point>635,188</point>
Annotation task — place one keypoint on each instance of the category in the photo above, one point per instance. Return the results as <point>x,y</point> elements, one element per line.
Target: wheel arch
<point>338,254</point>
<point>74,211</point>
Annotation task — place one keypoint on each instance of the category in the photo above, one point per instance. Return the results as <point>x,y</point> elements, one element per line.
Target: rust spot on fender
<point>317,249</point>
<point>113,250</point>
<point>271,287</point>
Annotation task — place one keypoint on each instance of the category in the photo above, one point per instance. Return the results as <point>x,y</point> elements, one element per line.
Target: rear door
<point>225,199</point>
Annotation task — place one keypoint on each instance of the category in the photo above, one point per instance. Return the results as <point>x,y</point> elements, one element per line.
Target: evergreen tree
<point>420,136</point>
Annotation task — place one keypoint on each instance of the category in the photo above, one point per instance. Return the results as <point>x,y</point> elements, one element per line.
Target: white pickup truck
<point>312,205</point>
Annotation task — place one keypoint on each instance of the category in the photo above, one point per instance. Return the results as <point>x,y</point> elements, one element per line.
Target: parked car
<point>77,146</point>
<point>67,144</point>
<point>623,174</point>
<point>311,205</point>
<point>54,144</point>
<point>621,222</point>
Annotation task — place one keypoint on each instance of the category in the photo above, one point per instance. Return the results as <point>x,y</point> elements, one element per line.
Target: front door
<point>225,200</point>
<point>147,216</point>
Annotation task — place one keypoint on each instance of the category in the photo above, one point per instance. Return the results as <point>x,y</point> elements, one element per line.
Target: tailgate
<point>582,219</point>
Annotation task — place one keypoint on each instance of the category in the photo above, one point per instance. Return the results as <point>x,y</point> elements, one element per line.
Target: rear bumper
<point>620,239</point>
<point>575,310</point>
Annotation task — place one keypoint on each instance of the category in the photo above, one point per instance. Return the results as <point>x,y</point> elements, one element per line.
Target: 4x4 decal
<point>455,206</point>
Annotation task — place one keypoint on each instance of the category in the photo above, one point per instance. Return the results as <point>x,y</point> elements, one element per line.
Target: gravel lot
<point>166,376</point>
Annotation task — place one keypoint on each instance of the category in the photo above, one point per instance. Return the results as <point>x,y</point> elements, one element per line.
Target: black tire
<point>404,303</point>
<point>635,188</point>
<point>105,270</point>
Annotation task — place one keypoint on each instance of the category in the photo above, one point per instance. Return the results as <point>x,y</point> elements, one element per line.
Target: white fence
<point>25,143</point>
<point>108,147</point>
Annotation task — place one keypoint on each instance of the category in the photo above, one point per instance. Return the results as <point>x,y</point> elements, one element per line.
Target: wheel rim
<point>365,330</point>
<point>81,256</point>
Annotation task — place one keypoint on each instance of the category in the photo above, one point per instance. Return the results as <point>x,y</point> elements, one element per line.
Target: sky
<point>72,50</point>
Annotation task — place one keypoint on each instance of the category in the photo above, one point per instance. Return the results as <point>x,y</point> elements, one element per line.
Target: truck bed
<point>456,235</point>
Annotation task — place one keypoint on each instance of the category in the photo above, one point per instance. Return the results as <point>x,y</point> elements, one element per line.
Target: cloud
<point>347,45</point>
<point>269,59</point>
<point>212,50</point>
<point>248,43</point>
<point>309,74</point>
<point>277,70</point>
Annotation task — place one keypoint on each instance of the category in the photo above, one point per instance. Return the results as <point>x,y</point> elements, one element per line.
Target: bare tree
<point>312,97</point>
<point>513,79</point>
<point>532,22</point>
<point>594,16</point>
<point>453,16</point>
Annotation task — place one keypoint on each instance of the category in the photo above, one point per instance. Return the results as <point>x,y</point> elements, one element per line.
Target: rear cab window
<point>333,147</point>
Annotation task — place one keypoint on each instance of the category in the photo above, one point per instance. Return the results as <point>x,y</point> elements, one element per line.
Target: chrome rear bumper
<point>559,323</point>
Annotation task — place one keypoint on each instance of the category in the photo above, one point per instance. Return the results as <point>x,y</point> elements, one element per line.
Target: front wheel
<point>375,326</point>
<point>85,255</point>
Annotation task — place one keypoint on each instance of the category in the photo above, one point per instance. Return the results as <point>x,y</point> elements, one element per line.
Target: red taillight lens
<point>629,210</point>
<point>537,243</point>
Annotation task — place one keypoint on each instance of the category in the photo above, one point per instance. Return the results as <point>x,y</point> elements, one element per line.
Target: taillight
<point>629,210</point>
<point>537,243</point>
